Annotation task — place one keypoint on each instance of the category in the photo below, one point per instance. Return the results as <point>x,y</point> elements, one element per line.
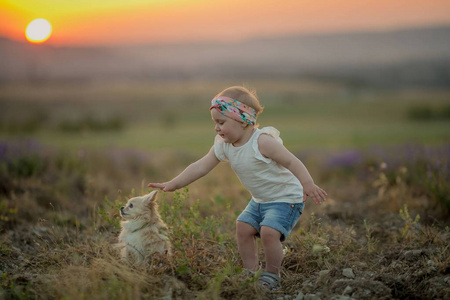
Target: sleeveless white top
<point>265,179</point>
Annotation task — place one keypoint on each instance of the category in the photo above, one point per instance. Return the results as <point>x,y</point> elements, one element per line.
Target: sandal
<point>270,281</point>
<point>248,273</point>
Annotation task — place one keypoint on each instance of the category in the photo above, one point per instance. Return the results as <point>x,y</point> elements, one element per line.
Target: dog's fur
<point>143,232</point>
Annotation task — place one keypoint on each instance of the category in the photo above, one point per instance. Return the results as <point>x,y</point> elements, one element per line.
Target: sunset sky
<point>129,22</point>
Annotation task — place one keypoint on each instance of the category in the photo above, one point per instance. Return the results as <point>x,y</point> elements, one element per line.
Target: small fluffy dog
<point>143,232</point>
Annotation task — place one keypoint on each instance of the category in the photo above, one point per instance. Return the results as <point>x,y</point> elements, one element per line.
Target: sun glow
<point>38,31</point>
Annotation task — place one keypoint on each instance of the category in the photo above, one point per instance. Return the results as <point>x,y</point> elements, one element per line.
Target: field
<point>72,154</point>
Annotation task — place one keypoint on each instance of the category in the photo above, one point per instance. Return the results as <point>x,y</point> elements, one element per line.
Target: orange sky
<point>125,22</point>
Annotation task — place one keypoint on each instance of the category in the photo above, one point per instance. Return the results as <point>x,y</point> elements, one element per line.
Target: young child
<point>277,180</point>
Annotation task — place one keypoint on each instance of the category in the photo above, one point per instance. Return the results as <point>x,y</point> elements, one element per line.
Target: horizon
<point>113,23</point>
<point>249,39</point>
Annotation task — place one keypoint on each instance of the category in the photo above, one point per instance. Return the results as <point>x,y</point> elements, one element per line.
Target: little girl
<point>277,180</point>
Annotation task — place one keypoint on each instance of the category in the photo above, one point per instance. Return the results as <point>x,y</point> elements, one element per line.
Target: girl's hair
<point>243,95</point>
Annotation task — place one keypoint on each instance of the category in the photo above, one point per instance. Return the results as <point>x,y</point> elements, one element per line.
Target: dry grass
<point>59,222</point>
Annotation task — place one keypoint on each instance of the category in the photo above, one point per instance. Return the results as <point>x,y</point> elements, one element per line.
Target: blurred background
<point>140,74</point>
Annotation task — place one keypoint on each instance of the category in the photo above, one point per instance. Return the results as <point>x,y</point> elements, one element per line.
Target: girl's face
<point>230,130</point>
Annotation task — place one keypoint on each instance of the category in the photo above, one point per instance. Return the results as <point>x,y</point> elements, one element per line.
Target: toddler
<point>277,180</point>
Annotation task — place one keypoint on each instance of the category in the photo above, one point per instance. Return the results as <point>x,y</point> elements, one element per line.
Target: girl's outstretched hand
<point>316,193</point>
<point>165,186</point>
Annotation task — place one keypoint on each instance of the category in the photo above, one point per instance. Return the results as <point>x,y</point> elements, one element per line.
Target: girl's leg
<point>246,239</point>
<point>273,250</point>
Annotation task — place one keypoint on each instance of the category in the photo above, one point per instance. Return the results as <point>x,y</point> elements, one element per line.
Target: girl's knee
<point>245,230</point>
<point>269,234</point>
<point>244,226</point>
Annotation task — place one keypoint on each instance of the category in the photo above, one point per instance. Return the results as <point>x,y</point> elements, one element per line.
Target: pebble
<point>412,254</point>
<point>307,283</point>
<point>341,297</point>
<point>299,296</point>
<point>347,290</point>
<point>348,272</point>
<point>323,276</point>
<point>312,297</point>
<point>361,264</point>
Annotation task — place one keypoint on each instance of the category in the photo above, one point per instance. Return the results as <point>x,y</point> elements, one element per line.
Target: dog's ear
<point>150,197</point>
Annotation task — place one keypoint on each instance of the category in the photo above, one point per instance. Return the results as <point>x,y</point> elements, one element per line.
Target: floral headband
<point>234,109</point>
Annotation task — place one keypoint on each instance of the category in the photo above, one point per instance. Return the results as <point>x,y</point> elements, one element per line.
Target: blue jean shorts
<point>280,216</point>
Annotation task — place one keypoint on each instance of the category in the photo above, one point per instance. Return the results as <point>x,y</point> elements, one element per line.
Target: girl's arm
<point>193,172</point>
<point>274,150</point>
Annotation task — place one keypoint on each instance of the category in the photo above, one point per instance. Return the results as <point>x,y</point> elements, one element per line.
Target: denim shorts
<point>280,216</point>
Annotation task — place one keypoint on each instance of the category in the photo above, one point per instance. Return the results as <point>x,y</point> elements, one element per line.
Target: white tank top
<point>265,179</point>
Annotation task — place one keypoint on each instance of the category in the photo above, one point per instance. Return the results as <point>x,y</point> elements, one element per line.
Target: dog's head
<point>139,206</point>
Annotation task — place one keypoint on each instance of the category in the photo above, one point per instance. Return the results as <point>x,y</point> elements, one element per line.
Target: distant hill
<point>415,56</point>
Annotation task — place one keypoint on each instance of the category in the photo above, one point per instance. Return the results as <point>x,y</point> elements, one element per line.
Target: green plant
<point>315,239</point>
<point>215,285</point>
<point>4,250</point>
<point>12,289</point>
<point>426,113</point>
<point>436,180</point>
<point>187,221</point>
<point>411,226</point>
<point>27,166</point>
<point>109,213</point>
<point>422,112</point>
<point>371,241</point>
<point>198,241</point>
<point>8,214</point>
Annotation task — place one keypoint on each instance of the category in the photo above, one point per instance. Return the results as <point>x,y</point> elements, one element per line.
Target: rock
<point>411,255</point>
<point>348,290</point>
<point>361,264</point>
<point>307,286</point>
<point>307,283</point>
<point>366,275</point>
<point>413,252</point>
<point>367,293</point>
<point>299,296</point>
<point>341,297</point>
<point>394,264</point>
<point>362,288</point>
<point>323,277</point>
<point>311,297</point>
<point>348,272</point>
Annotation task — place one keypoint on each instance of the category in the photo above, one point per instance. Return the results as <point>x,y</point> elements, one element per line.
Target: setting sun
<point>38,31</point>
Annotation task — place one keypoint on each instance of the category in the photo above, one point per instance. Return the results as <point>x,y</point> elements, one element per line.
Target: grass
<point>162,116</point>
<point>386,218</point>
<point>60,220</point>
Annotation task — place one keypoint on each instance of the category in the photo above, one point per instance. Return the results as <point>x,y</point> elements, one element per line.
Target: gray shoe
<point>270,281</point>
